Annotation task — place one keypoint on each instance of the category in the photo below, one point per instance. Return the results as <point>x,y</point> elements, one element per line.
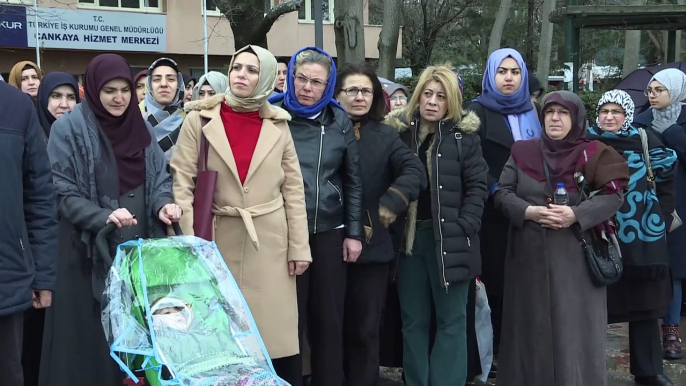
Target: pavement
<point>617,361</point>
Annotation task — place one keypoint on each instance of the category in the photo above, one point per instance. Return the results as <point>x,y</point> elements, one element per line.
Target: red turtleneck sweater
<point>242,131</point>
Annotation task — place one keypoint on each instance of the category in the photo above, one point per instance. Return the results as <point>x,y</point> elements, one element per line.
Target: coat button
<point>137,237</point>
<point>131,195</point>
<point>246,190</point>
<point>444,253</point>
<point>440,187</point>
<point>442,220</point>
<point>439,154</point>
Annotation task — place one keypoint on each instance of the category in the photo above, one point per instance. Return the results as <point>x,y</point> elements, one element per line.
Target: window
<point>211,8</point>
<point>153,5</point>
<point>306,11</point>
<point>25,2</point>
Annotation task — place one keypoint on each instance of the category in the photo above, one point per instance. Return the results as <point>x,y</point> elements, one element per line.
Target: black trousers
<point>11,337</point>
<point>289,369</point>
<point>364,300</point>
<point>34,324</point>
<point>321,305</point>
<point>645,348</point>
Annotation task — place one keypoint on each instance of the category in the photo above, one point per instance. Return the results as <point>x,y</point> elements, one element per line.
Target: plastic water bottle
<point>560,197</point>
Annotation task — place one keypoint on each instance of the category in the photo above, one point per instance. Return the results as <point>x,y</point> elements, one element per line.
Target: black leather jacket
<point>329,161</point>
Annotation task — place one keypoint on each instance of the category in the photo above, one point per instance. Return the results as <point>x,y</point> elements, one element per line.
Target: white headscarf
<point>675,82</point>
<point>218,81</point>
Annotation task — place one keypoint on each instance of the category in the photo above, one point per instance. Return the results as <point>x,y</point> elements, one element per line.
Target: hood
<point>267,111</point>
<point>469,123</point>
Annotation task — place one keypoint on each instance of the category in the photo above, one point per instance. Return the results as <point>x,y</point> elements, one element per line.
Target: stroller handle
<point>103,248</point>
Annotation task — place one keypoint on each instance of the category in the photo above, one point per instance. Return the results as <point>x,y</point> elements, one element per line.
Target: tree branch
<point>274,14</point>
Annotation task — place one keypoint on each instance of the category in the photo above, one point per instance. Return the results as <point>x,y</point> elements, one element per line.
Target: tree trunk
<point>499,26</point>
<point>250,21</point>
<point>349,30</point>
<point>388,38</point>
<point>529,43</point>
<point>545,45</point>
<point>632,47</point>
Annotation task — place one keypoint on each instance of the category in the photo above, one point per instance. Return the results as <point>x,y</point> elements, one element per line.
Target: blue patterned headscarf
<point>517,108</point>
<point>621,98</point>
<point>289,98</point>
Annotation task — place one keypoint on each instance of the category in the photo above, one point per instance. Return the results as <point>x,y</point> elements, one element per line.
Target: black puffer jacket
<point>28,229</point>
<point>329,161</point>
<point>392,177</point>
<point>458,192</point>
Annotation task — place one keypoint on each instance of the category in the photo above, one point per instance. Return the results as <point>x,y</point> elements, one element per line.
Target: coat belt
<point>247,215</point>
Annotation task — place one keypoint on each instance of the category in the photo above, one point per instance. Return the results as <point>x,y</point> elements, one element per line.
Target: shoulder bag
<point>203,196</point>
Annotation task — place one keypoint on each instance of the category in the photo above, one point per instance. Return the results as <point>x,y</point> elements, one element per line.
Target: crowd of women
<point>330,187</point>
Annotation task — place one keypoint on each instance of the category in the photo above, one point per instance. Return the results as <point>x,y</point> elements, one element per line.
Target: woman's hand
<point>297,268</point>
<point>565,215</point>
<point>351,250</point>
<point>170,213</point>
<point>122,218</point>
<point>544,216</point>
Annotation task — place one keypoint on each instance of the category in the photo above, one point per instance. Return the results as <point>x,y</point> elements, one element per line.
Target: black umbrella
<point>637,82</point>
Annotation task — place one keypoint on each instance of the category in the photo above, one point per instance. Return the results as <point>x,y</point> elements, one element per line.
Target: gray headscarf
<point>218,81</point>
<point>675,82</point>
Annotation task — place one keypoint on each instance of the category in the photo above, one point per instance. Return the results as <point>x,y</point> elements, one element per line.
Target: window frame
<point>214,13</point>
<point>17,2</point>
<point>309,18</point>
<point>96,6</point>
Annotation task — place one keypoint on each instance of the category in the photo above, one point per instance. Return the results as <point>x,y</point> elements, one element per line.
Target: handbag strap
<point>646,157</point>
<point>204,147</point>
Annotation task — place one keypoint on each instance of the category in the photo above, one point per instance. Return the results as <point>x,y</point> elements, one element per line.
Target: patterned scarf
<point>621,98</point>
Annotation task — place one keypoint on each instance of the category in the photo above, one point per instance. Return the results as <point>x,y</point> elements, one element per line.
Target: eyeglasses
<point>656,91</point>
<point>398,99</point>
<point>606,112</point>
<point>561,113</point>
<point>316,83</point>
<point>353,91</point>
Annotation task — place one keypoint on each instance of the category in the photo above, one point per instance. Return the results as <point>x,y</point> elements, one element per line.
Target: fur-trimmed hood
<point>468,124</point>
<point>267,111</point>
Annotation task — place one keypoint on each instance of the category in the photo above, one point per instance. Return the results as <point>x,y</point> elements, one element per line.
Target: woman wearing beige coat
<point>260,221</point>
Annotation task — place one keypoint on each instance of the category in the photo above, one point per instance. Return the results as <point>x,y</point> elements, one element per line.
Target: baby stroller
<point>172,310</point>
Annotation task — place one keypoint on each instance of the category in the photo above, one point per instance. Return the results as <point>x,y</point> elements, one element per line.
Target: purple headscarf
<point>517,108</point>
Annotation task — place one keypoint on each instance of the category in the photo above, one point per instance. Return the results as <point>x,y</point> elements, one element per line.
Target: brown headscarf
<point>15,74</point>
<point>128,134</point>
<point>602,166</point>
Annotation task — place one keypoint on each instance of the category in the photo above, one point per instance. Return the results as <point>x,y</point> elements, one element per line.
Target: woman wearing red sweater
<point>260,221</point>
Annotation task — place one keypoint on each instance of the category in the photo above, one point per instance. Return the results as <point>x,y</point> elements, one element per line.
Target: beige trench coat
<point>259,226</point>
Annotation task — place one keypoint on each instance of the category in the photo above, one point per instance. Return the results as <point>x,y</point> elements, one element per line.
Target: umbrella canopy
<point>384,81</point>
<point>637,82</point>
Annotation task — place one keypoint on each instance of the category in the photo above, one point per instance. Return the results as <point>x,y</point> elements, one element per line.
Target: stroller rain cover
<point>172,308</point>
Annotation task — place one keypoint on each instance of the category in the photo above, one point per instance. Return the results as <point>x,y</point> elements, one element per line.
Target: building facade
<point>70,33</point>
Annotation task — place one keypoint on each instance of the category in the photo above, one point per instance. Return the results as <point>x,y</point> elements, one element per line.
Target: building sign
<point>13,27</point>
<point>87,30</point>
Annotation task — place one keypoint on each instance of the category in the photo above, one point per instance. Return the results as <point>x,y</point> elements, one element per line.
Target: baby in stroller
<point>172,309</point>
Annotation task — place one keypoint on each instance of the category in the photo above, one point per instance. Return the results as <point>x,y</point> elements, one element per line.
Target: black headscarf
<point>49,83</point>
<point>128,134</point>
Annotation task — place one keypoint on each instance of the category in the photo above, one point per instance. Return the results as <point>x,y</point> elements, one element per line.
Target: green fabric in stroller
<point>172,308</point>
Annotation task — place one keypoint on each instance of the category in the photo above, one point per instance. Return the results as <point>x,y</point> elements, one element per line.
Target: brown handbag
<point>203,197</point>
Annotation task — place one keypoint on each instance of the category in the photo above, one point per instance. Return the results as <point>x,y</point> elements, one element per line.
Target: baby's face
<point>176,318</point>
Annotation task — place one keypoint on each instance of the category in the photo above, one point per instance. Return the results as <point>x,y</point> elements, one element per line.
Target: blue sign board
<point>13,28</point>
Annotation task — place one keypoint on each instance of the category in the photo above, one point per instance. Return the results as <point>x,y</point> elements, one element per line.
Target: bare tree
<point>250,20</point>
<point>499,25</point>
<point>388,38</point>
<point>423,22</point>
<point>349,30</point>
<point>545,45</point>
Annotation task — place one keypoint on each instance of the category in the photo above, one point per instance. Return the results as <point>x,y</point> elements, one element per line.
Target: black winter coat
<point>457,178</point>
<point>392,177</point>
<point>329,160</point>
<point>28,225</point>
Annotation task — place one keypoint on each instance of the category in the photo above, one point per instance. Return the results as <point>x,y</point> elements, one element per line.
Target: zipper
<point>469,242</point>
<point>340,197</point>
<point>438,198</point>
<point>21,243</point>
<point>319,165</point>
